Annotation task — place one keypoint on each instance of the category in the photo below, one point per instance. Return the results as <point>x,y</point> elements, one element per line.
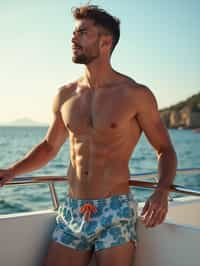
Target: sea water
<point>15,142</point>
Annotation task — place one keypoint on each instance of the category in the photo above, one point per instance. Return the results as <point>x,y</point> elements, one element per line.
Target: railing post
<point>54,197</point>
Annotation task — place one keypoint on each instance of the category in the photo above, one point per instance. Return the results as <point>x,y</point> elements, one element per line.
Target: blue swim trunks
<point>96,223</point>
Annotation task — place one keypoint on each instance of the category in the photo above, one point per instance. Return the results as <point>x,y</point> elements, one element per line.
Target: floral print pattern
<point>113,224</point>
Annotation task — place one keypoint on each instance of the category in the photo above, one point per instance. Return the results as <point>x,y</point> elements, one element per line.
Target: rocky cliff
<point>185,114</point>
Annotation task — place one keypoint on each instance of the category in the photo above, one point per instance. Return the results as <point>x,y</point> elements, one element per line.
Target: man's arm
<point>45,151</point>
<point>150,122</point>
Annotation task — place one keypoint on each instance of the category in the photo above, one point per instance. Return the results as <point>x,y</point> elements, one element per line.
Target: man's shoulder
<point>133,85</point>
<point>67,89</point>
<point>140,91</point>
<point>142,96</point>
<point>147,96</point>
<point>64,93</point>
<point>137,87</point>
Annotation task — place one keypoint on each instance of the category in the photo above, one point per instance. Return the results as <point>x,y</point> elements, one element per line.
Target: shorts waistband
<point>100,201</point>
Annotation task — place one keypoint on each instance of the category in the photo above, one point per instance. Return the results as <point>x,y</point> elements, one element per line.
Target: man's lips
<point>76,48</point>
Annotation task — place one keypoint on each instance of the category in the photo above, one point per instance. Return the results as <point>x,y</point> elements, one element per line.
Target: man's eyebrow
<point>81,29</point>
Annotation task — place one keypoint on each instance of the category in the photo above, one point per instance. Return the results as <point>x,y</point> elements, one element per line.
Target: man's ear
<point>106,41</point>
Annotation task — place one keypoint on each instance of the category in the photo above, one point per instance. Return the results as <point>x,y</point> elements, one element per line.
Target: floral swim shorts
<point>96,223</point>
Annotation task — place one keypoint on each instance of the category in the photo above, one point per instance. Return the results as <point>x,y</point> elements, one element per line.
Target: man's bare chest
<point>102,112</point>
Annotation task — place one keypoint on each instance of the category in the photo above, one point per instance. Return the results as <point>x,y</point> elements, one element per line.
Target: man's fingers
<point>3,181</point>
<point>162,217</point>
<point>5,176</point>
<point>157,219</point>
<point>146,206</point>
<point>148,218</point>
<point>151,215</point>
<point>148,215</point>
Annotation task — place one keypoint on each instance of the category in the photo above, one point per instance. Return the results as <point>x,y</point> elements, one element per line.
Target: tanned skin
<point>103,114</point>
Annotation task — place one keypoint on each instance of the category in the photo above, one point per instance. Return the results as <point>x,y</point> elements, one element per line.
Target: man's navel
<point>113,125</point>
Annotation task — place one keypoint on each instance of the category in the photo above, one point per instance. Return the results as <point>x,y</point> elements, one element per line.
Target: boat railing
<point>51,180</point>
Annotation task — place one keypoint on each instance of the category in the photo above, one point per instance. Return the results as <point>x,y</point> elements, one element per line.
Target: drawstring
<point>88,209</point>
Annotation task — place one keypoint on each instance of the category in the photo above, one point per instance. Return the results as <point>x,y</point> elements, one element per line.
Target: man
<point>104,114</point>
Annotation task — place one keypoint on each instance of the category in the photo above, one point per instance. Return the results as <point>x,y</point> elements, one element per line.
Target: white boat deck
<point>25,237</point>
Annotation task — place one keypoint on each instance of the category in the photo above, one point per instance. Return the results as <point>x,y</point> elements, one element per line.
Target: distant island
<point>185,114</point>
<point>25,121</point>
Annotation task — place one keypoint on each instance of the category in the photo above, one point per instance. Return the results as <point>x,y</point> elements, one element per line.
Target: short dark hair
<point>100,17</point>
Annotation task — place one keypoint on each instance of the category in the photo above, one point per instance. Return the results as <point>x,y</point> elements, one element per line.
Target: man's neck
<point>98,74</point>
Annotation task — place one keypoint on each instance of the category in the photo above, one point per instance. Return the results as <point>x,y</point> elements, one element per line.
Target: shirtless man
<point>104,114</point>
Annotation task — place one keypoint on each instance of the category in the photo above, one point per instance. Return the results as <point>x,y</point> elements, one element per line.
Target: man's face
<point>85,42</point>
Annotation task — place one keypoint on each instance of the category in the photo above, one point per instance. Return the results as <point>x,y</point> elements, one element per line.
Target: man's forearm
<point>39,156</point>
<point>167,163</point>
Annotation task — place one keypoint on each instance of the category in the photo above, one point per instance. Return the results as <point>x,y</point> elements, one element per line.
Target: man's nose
<point>74,37</point>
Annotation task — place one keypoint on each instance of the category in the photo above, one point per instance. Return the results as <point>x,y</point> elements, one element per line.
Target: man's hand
<point>5,176</point>
<point>155,209</point>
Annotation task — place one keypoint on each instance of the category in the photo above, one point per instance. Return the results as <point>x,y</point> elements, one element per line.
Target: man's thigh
<point>60,255</point>
<point>122,255</point>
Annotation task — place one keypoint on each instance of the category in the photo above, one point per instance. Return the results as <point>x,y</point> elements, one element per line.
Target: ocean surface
<point>15,142</point>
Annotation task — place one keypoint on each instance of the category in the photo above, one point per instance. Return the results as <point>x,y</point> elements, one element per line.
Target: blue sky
<point>159,47</point>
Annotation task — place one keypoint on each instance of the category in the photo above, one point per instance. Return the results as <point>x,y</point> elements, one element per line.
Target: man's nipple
<point>113,125</point>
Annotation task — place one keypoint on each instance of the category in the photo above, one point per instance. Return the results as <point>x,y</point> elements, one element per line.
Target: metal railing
<point>50,180</point>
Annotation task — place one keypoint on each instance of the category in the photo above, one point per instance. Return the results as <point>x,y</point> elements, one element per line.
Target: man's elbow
<point>50,150</point>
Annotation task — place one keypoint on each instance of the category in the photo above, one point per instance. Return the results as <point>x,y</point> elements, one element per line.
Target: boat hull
<point>25,237</point>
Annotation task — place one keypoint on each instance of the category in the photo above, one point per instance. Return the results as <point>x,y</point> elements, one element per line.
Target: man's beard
<point>87,58</point>
<point>84,59</point>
